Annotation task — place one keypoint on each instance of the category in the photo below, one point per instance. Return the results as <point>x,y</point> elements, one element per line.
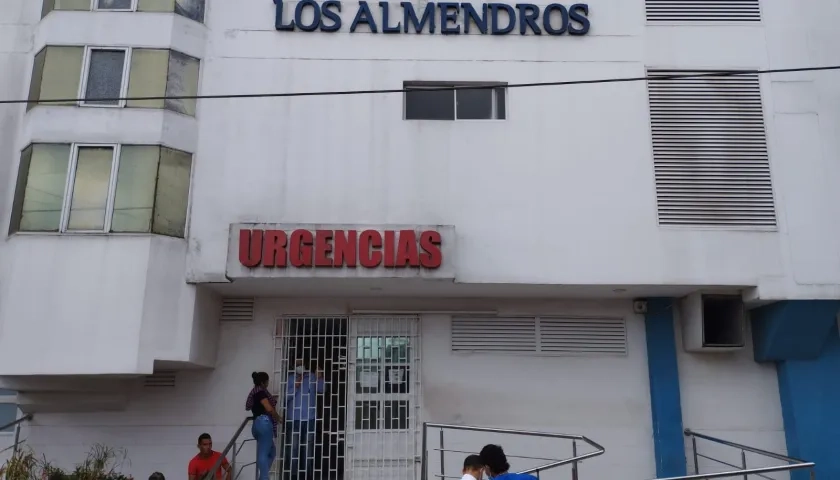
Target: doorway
<point>320,344</point>
<point>366,401</point>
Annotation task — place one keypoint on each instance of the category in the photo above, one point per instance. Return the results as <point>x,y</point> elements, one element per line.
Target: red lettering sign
<point>340,248</point>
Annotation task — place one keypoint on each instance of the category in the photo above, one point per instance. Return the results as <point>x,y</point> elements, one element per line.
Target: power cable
<point>709,73</point>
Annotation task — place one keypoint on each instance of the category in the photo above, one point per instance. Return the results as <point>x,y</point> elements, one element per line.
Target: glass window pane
<point>172,194</point>
<point>135,195</point>
<point>72,5</point>
<point>367,379</point>
<point>475,104</point>
<point>155,5</point>
<point>105,77</point>
<point>423,104</point>
<point>182,80</point>
<point>397,350</point>
<point>501,114</point>
<point>113,4</point>
<point>62,73</point>
<point>8,414</point>
<point>90,188</point>
<point>148,77</point>
<point>192,9</point>
<point>46,176</point>
<point>37,77</point>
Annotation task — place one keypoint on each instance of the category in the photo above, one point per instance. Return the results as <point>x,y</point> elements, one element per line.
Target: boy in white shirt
<point>472,468</point>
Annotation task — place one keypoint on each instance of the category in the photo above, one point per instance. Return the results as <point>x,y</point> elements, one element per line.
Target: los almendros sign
<point>271,250</point>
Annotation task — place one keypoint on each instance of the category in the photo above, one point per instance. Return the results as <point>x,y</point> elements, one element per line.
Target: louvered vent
<point>710,151</point>
<point>540,336</point>
<point>508,335</point>
<point>668,11</point>
<point>581,336</point>
<point>237,309</point>
<point>160,379</point>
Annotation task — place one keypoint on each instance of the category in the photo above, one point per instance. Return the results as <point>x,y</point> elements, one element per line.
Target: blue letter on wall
<point>410,15</point>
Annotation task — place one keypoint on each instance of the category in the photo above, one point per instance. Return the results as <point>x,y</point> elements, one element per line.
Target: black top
<point>258,408</point>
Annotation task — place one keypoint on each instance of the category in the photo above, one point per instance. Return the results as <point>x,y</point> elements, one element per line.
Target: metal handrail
<point>218,463</point>
<point>793,463</point>
<point>17,423</point>
<point>599,450</point>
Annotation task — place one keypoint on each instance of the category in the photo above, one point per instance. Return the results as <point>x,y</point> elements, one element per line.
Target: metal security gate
<point>349,390</point>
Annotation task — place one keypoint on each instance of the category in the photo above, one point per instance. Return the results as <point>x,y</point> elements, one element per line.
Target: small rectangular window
<point>109,188</point>
<point>446,101</point>
<point>78,5</point>
<point>192,9</point>
<point>89,194</point>
<point>147,77</point>
<point>39,197</point>
<point>104,77</point>
<point>55,75</point>
<point>181,81</point>
<point>118,5</point>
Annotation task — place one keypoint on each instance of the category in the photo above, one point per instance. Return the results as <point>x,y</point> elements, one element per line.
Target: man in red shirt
<point>202,463</point>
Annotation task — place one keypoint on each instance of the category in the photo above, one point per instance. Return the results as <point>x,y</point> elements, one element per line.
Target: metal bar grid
<point>741,470</point>
<point>574,460</point>
<point>310,378</point>
<point>349,390</point>
<point>384,397</point>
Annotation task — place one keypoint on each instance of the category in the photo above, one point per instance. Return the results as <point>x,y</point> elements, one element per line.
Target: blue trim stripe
<point>665,406</point>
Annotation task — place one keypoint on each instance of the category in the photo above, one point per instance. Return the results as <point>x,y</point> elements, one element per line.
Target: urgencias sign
<point>339,248</point>
<point>454,18</point>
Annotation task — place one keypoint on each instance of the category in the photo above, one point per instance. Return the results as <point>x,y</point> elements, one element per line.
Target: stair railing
<point>574,460</point>
<point>17,424</point>
<point>742,470</point>
<point>231,445</point>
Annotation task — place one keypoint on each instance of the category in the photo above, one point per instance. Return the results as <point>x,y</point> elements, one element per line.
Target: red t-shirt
<point>199,466</point>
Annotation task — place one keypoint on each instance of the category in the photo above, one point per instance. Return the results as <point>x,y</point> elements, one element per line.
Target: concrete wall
<point>605,398</point>
<point>730,396</point>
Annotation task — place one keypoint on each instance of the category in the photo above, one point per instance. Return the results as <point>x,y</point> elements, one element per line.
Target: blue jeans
<point>263,431</point>
<point>299,447</point>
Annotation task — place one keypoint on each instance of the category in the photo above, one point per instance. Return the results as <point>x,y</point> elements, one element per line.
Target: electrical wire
<point>707,73</point>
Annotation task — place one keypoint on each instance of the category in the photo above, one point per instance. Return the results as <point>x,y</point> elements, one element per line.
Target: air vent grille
<point>710,151</point>
<point>237,309</point>
<point>540,335</point>
<point>705,11</point>
<point>160,379</point>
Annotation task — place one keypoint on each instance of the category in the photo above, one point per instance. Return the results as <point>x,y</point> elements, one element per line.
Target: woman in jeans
<point>264,427</point>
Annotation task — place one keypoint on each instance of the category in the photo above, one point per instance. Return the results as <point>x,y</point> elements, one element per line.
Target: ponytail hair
<point>259,378</point>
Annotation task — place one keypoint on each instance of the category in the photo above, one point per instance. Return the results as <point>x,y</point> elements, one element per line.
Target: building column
<point>665,406</point>
<point>802,337</point>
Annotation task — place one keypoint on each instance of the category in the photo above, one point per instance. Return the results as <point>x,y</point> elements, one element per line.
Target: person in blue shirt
<point>496,465</point>
<point>302,389</point>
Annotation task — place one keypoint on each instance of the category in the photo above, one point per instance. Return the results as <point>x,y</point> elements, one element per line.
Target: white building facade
<point>618,260</point>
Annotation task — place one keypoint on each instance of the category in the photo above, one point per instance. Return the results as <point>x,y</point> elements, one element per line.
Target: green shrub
<point>101,463</point>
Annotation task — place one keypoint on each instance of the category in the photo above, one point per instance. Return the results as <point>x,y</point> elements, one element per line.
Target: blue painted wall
<point>802,336</point>
<point>665,406</point>
<point>810,394</point>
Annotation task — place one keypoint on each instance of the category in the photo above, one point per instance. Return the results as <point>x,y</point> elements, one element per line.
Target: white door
<point>384,398</point>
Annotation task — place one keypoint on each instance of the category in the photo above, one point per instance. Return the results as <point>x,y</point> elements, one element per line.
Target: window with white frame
<point>105,76</point>
<point>95,188</point>
<point>445,101</point>
<point>192,9</point>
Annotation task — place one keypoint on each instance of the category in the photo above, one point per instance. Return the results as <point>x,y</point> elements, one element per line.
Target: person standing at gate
<point>301,408</point>
<point>496,465</point>
<point>264,426</point>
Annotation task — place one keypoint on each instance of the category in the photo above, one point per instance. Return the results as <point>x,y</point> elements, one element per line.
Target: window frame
<point>429,85</point>
<point>94,7</point>
<point>86,59</point>
<point>70,183</point>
